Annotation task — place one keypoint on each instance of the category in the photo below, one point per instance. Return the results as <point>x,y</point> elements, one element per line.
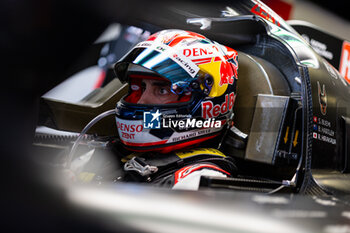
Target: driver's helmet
<point>200,72</point>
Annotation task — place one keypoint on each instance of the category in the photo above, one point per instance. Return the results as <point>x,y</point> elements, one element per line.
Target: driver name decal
<point>322,131</point>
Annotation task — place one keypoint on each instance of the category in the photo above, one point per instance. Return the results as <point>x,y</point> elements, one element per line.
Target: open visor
<point>176,68</point>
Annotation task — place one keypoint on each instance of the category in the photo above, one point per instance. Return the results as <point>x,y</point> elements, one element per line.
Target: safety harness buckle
<point>138,165</point>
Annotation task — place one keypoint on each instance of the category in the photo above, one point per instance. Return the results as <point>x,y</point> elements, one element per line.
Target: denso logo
<point>129,128</point>
<point>128,131</point>
<point>200,51</point>
<point>209,110</point>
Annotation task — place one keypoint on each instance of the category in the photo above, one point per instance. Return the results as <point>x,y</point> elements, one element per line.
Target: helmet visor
<point>176,68</point>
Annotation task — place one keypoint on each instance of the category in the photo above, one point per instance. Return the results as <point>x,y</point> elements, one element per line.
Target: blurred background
<point>331,16</point>
<point>326,16</point>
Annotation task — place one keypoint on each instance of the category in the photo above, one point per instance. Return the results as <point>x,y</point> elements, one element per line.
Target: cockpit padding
<point>255,76</point>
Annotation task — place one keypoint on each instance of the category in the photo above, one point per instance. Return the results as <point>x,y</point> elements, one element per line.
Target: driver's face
<point>156,92</point>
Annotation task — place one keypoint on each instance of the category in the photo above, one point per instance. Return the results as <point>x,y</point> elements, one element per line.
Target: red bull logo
<point>209,110</point>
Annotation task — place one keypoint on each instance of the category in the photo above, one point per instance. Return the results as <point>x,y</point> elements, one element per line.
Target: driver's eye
<point>143,86</point>
<point>163,91</point>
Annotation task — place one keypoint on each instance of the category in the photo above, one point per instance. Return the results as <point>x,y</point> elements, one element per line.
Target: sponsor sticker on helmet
<point>128,130</point>
<point>209,110</point>
<point>203,52</point>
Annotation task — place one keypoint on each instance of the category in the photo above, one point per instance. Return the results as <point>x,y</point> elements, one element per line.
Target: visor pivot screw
<point>209,81</point>
<point>195,85</point>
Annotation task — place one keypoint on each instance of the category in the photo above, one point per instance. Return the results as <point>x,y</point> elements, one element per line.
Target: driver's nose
<point>147,97</point>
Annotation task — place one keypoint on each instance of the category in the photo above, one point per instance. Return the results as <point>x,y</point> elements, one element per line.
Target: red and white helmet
<point>201,72</point>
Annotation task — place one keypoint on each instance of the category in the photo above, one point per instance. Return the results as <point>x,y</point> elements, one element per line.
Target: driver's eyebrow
<point>161,84</point>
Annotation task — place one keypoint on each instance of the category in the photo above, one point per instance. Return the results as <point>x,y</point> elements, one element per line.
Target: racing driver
<point>182,88</point>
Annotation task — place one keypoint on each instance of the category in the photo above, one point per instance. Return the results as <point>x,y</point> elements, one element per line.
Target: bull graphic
<point>322,98</point>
